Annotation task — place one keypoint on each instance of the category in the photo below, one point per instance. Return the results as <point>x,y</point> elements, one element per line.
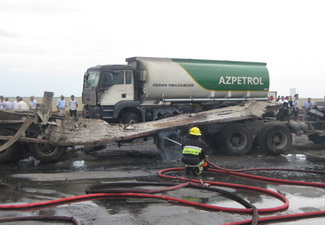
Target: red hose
<point>235,172</point>
<point>265,169</point>
<point>237,186</point>
<point>196,204</point>
<point>281,197</point>
<point>280,218</point>
<point>108,195</point>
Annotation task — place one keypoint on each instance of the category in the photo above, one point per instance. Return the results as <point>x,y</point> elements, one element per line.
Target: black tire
<point>275,139</point>
<point>235,140</point>
<point>130,118</point>
<point>10,153</point>
<point>47,153</point>
<point>316,139</point>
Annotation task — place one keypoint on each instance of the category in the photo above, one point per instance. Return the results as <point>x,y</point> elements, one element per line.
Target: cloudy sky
<point>46,45</point>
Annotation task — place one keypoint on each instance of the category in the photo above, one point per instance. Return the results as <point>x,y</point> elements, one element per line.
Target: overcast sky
<point>47,45</point>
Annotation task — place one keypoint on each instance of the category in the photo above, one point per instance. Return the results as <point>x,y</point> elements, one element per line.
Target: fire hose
<point>163,173</point>
<point>99,192</point>
<point>113,190</point>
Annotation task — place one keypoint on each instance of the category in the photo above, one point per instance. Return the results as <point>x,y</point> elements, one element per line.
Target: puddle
<point>79,164</point>
<point>295,157</point>
<point>104,166</point>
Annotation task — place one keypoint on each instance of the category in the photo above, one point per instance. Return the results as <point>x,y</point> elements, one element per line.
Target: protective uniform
<point>194,152</point>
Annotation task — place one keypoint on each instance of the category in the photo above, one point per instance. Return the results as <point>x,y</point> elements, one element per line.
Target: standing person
<point>7,104</point>
<point>73,106</point>
<point>32,103</point>
<point>1,101</point>
<point>286,101</point>
<point>286,107</point>
<point>284,110</point>
<point>281,100</point>
<point>14,103</point>
<point>21,105</point>
<point>291,101</point>
<point>60,105</point>
<point>195,151</point>
<point>295,106</point>
<point>308,105</point>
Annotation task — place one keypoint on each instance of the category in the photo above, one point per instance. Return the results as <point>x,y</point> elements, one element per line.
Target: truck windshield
<point>91,78</point>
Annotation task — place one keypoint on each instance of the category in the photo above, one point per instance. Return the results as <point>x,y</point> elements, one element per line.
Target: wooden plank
<point>11,121</point>
<point>93,131</point>
<point>44,110</point>
<point>25,139</point>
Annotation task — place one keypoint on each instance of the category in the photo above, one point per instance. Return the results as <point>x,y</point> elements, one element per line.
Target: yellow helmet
<point>195,131</point>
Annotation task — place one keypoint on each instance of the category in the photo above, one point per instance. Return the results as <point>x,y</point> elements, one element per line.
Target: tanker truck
<point>148,89</point>
<point>151,89</point>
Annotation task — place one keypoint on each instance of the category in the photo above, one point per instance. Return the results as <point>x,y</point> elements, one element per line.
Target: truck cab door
<point>129,85</point>
<point>118,86</point>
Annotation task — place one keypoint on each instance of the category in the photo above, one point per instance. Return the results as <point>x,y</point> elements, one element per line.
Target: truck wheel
<point>8,154</point>
<point>316,139</point>
<point>130,118</point>
<point>235,140</point>
<point>275,139</point>
<point>46,153</point>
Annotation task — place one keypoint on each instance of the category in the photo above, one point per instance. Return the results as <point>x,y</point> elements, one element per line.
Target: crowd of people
<point>20,105</point>
<point>291,106</point>
<point>17,104</point>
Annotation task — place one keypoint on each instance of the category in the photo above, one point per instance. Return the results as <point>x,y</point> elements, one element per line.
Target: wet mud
<point>140,162</point>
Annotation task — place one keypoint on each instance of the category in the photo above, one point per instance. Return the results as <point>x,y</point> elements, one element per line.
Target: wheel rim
<point>133,121</point>
<point>47,149</point>
<point>278,140</point>
<point>237,141</point>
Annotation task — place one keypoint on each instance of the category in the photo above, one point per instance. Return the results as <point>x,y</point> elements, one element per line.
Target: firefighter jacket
<point>194,151</point>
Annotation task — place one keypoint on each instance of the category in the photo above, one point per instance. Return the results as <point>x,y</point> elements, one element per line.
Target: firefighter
<point>195,151</point>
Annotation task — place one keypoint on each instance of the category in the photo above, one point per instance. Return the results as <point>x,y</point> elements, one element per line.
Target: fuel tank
<point>174,79</point>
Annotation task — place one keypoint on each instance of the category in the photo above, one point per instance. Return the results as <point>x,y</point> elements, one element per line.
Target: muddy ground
<point>21,183</point>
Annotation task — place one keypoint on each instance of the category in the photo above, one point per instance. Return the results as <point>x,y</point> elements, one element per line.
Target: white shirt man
<point>281,101</point>
<point>73,106</point>
<point>14,103</point>
<point>21,105</point>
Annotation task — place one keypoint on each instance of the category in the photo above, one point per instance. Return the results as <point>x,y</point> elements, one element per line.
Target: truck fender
<point>120,106</point>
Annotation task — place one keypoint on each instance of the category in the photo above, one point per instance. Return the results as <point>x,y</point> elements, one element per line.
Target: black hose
<point>103,188</point>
